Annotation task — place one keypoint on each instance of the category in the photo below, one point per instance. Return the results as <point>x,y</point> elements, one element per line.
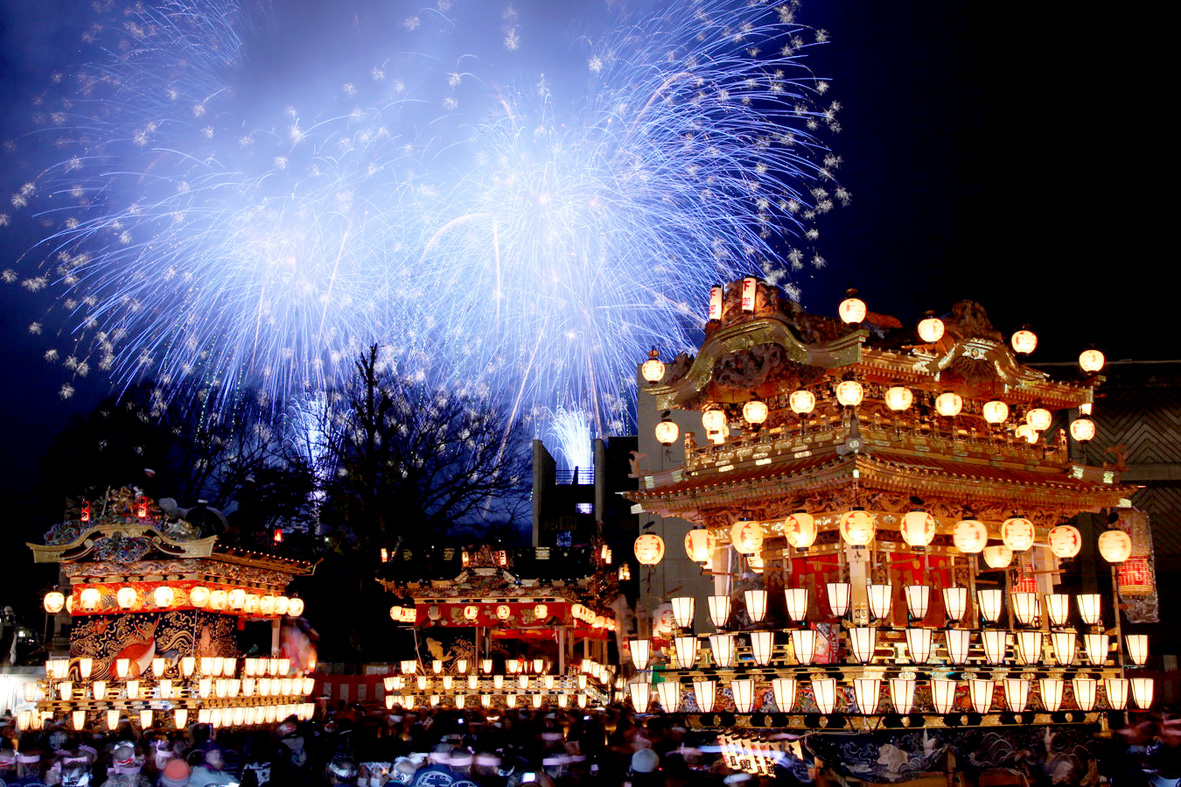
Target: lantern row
<point>487,700</point>
<point>93,599</point>
<point>790,694</point>
<point>186,666</point>
<point>1027,607</point>
<point>230,716</point>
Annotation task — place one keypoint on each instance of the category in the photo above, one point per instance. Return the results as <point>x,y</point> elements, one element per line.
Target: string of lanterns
<point>525,682</point>
<point>113,597</point>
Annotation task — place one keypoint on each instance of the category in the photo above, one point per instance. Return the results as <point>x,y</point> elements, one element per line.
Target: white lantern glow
<point>989,603</point>
<point>931,329</point>
<point>880,599</point>
<point>1029,647</point>
<point>669,695</point>
<point>722,649</point>
<point>649,549</point>
<point>802,402</point>
<point>652,370</point>
<point>995,642</point>
<point>797,603</point>
<point>1065,647</point>
<point>824,691</point>
<point>803,644</point>
<point>1089,608</point>
<point>1142,689</point>
<point>715,307</point>
<point>1039,418</point>
<point>902,694</point>
<point>1026,607</point>
<point>857,527</point>
<point>998,556</point>
<point>970,536</point>
<point>667,432</point>
<point>1024,341</point>
<point>1017,533</point>
<point>995,412</point>
<point>762,646</point>
<point>949,404</point>
<point>1115,546</point>
<point>943,695</point>
<point>1137,648</point>
<point>1016,694</point>
<point>755,412</point>
<point>750,289</point>
<point>640,652</point>
<point>784,690</point>
<point>685,651</point>
<point>868,692</point>
<point>918,528</point>
<point>1096,647</point>
<point>863,642</point>
<point>955,602</point>
<point>918,599</point>
<point>744,694</point>
<point>699,545</point>
<point>1065,541</point>
<point>746,537</point>
<point>852,310</point>
<point>850,393</point>
<point>1084,692</point>
<point>683,610</point>
<point>1058,608</point>
<point>125,597</point>
<point>981,692</point>
<point>713,420</point>
<point>54,602</point>
<point>800,529</point>
<point>1082,429</point>
<point>1051,690</point>
<point>704,692</point>
<point>918,644</point>
<point>719,610</point>
<point>899,398</point>
<point>1091,361</point>
<point>838,597</point>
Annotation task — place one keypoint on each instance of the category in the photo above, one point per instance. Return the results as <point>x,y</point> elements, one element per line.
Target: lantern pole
<point>1118,615</point>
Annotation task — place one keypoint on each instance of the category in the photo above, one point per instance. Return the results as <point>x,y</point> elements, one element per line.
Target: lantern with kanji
<point>1065,541</point>
<point>800,529</point>
<point>649,549</point>
<point>1115,546</point>
<point>746,537</point>
<point>918,528</point>
<point>699,545</point>
<point>857,527</point>
<point>970,536</point>
<point>1017,533</point>
<point>931,328</point>
<point>802,402</point>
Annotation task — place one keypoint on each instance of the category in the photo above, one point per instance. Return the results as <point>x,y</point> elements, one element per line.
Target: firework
<point>519,206</point>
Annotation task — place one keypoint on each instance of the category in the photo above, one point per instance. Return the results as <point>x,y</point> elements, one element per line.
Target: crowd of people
<point>449,748</point>
<point>437,748</point>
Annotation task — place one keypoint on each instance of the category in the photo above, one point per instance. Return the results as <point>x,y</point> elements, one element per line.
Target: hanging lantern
<point>750,287</point>
<point>1017,533</point>
<point>918,599</point>
<point>1051,690</point>
<point>995,412</point>
<point>199,596</point>
<point>867,691</point>
<point>755,412</point>
<point>719,610</point>
<point>1096,647</point>
<point>699,545</point>
<point>980,692</point>
<point>1142,692</point>
<point>1117,693</point>
<point>802,402</point>
<point>803,643</point>
<point>1029,647</point>
<point>824,690</point>
<point>1084,692</point>
<point>880,598</point>
<point>989,603</point>
<point>970,536</point>
<point>850,393</point>
<point>295,607</point>
<point>1091,361</point>
<point>1024,341</point>
<point>800,529</point>
<point>683,609</point>
<point>669,695</point>
<point>955,602</point>
<point>838,597</point>
<point>958,642</point>
<point>125,597</point>
<point>721,647</point>
<point>1057,608</point>
<point>1016,693</point>
<point>785,693</point>
<point>918,528</point>
<point>639,695</point>
<point>797,603</point>
<point>1089,608</point>
<point>1025,607</point>
<point>857,527</point>
<point>744,694</point>
<point>1065,541</point>
<point>899,398</point>
<point>1039,418</point>
<point>931,328</point>
<point>852,310</point>
<point>762,645</point>
<point>652,369</point>
<point>746,537</point>
<point>54,602</point>
<point>218,600</point>
<point>1115,546</point>
<point>667,432</point>
<point>704,692</point>
<point>943,695</point>
<point>649,549</point>
<point>1027,433</point>
<point>1082,429</point>
<point>713,420</point>
<point>863,642</point>
<point>998,556</point>
<point>949,404</point>
<point>715,307</point>
<point>1137,648</point>
<point>918,644</point>
<point>994,641</point>
<point>756,604</point>
<point>163,596</point>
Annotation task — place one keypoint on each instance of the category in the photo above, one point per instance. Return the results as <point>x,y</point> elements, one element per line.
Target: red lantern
<point>85,517</point>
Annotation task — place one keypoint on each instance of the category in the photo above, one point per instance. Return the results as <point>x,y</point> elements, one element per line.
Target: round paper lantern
<point>754,411</point>
<point>652,369</point>
<point>54,602</point>
<point>1091,361</point>
<point>746,537</point>
<point>1065,541</point>
<point>970,536</point>
<point>1017,533</point>
<point>199,596</point>
<point>219,600</point>
<point>125,598</point>
<point>802,402</point>
<point>800,529</point>
<point>1027,433</point>
<point>931,329</point>
<point>649,549</point>
<point>1039,418</point>
<point>699,545</point>
<point>1024,341</point>
<point>949,404</point>
<point>998,556</point>
<point>852,310</point>
<point>899,398</point>
<point>850,393</point>
<point>857,527</point>
<point>995,412</point>
<point>295,607</point>
<point>1082,429</point>
<point>1115,546</point>
<point>163,596</point>
<point>918,528</point>
<point>713,420</point>
<point>667,432</point>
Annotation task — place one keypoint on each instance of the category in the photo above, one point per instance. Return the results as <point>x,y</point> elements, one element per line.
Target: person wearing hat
<point>175,773</point>
<point>645,769</point>
<point>211,772</point>
<point>125,767</point>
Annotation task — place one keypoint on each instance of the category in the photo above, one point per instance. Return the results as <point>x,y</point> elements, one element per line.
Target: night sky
<point>1009,157</point>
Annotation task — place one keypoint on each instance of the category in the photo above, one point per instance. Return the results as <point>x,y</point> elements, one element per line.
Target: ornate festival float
<point>503,627</point>
<point>889,517</point>
<point>157,608</point>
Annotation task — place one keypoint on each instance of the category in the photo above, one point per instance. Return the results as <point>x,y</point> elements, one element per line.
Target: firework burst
<point>519,214</point>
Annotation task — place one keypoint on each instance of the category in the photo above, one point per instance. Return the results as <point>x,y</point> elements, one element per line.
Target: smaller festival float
<point>159,611</point>
<point>503,627</point>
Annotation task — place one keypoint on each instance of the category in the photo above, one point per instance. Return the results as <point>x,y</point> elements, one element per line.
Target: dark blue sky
<point>1007,158</point>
